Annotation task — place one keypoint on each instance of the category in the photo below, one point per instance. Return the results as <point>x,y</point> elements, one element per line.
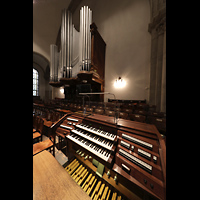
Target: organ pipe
<point>70,44</point>
<point>53,63</point>
<point>85,37</point>
<point>66,43</point>
<point>81,38</point>
<point>61,62</point>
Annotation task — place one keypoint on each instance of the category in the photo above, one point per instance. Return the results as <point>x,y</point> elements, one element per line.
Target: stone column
<point>154,45</point>
<point>163,85</point>
<point>158,58</point>
<point>159,66</point>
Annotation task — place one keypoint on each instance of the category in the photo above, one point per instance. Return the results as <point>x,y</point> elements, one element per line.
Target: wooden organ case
<point>133,156</point>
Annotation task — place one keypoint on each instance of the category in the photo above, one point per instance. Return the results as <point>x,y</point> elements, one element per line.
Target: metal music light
<point>116,112</point>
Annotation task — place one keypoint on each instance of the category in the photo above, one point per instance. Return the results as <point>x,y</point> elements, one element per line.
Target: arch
<point>41,61</point>
<point>41,64</point>
<point>38,54</point>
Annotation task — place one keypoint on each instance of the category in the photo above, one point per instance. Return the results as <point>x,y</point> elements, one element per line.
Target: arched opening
<point>41,65</point>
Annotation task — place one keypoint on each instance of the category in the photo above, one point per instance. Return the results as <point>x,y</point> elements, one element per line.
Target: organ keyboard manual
<point>131,156</point>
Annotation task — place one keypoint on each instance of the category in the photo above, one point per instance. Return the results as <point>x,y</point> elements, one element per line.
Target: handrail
<point>53,128</point>
<point>60,121</point>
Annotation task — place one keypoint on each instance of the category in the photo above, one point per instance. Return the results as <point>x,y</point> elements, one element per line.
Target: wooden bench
<point>40,146</point>
<point>37,137</point>
<point>48,144</point>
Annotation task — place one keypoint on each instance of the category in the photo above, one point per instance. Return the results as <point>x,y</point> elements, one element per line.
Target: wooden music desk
<point>51,181</point>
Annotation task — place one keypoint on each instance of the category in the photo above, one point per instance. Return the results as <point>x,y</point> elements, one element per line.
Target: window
<point>35,83</point>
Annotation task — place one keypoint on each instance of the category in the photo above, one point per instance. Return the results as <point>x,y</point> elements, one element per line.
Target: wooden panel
<point>98,49</point>
<point>143,177</point>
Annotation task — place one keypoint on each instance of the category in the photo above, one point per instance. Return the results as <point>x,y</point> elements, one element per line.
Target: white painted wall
<point>57,93</point>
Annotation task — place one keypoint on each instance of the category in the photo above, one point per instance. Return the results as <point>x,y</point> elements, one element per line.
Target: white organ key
<point>137,141</point>
<point>98,151</point>
<point>71,119</point>
<point>154,159</point>
<point>144,154</point>
<point>132,148</point>
<point>135,160</point>
<point>67,127</point>
<point>125,144</point>
<point>106,135</point>
<point>107,146</point>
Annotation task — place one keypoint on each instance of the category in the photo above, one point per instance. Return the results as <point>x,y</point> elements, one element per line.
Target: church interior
<point>99,99</point>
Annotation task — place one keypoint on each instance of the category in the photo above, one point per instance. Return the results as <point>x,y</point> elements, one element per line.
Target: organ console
<point>123,160</point>
<point>132,153</point>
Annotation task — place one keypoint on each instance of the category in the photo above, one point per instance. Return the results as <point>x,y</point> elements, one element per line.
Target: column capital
<point>158,22</point>
<point>161,27</point>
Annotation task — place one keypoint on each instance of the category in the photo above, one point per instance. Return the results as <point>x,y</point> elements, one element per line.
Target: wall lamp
<point>119,83</point>
<point>62,90</point>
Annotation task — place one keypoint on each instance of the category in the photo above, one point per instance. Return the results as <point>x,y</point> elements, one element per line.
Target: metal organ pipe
<point>61,62</point>
<point>63,42</point>
<point>89,38</point>
<point>85,37</point>
<point>53,63</point>
<point>88,31</point>
<point>71,45</point>
<point>90,34</point>
<point>60,71</point>
<point>81,38</point>
<point>62,45</point>
<point>66,43</point>
<point>85,41</point>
